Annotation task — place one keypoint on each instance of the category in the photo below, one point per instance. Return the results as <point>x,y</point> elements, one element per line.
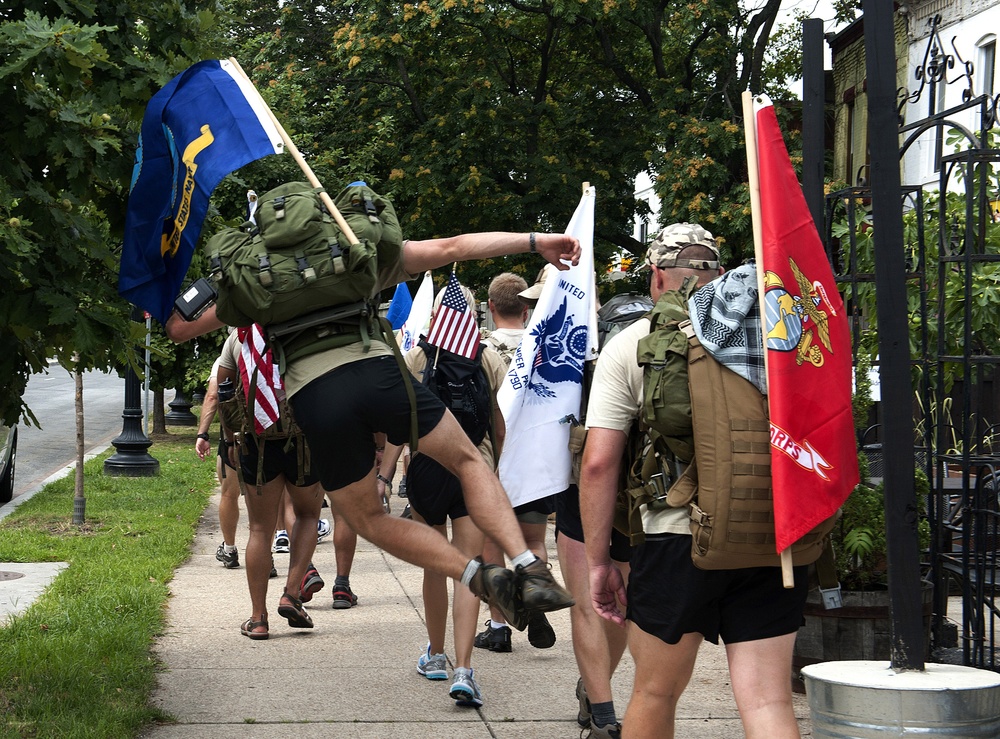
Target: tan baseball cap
<point>664,251</point>
<point>531,295</point>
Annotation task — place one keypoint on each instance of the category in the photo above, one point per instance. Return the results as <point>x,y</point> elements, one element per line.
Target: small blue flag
<point>205,123</point>
<point>399,306</point>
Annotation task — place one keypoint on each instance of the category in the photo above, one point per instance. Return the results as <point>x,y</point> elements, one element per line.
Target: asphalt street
<point>43,451</point>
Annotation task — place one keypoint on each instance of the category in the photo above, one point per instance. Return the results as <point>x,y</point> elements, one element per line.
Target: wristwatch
<point>204,435</point>
<point>387,481</point>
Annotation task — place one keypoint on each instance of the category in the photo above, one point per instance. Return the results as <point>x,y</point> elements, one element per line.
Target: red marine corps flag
<point>814,459</point>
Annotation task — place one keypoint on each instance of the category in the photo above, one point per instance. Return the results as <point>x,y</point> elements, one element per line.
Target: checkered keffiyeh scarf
<point>725,315</point>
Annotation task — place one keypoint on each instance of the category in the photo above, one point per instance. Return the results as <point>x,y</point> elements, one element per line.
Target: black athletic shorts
<point>669,597</point>
<point>224,454</point>
<point>433,492</point>
<point>277,461</point>
<point>341,411</point>
<point>568,523</point>
<point>536,511</point>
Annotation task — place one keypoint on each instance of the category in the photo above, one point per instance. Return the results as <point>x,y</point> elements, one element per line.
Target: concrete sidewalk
<point>354,675</point>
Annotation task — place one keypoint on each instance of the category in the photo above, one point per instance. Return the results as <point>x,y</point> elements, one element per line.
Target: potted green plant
<point>860,630</point>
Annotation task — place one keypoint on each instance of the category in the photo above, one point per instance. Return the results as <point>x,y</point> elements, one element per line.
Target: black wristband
<point>531,242</point>
<point>387,481</point>
<point>204,435</point>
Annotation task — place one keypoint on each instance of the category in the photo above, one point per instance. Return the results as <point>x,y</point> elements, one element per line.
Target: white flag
<point>420,315</point>
<point>544,385</point>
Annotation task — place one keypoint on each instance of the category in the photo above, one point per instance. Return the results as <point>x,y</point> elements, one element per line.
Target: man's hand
<point>558,247</point>
<point>202,447</point>
<point>607,591</point>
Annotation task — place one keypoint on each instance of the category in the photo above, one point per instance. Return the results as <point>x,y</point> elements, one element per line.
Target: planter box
<point>858,631</point>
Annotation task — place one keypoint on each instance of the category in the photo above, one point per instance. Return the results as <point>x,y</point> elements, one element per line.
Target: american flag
<point>454,326</point>
<point>268,386</point>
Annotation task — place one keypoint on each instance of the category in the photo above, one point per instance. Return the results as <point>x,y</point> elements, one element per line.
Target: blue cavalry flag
<point>205,123</point>
<point>543,388</point>
<point>399,307</point>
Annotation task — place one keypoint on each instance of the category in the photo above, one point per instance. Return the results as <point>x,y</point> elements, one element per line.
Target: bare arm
<point>208,408</point>
<point>599,475</point>
<point>179,330</point>
<point>420,256</point>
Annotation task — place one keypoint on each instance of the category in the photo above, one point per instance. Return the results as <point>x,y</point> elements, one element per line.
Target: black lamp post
<point>132,458</point>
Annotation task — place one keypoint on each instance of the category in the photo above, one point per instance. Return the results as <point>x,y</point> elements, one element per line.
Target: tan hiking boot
<point>497,586</point>
<point>539,590</point>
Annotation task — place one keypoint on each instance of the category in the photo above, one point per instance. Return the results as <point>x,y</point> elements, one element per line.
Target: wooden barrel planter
<point>858,631</point>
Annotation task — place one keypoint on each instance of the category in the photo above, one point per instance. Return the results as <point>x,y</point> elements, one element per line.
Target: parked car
<point>8,454</point>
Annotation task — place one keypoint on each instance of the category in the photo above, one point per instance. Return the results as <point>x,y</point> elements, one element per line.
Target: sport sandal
<point>291,608</point>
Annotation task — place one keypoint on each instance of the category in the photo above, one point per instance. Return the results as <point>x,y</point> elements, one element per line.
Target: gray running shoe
<point>230,560</point>
<point>539,590</point>
<point>433,666</point>
<point>541,635</point>
<point>583,715</point>
<point>498,587</point>
<point>464,688</point>
<point>608,731</point>
<point>496,640</point>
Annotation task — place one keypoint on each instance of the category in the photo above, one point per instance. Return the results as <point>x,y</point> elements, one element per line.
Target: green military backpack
<point>296,260</point>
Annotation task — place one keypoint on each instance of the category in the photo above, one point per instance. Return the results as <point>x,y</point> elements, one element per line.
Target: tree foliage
<point>76,76</point>
<point>476,115</point>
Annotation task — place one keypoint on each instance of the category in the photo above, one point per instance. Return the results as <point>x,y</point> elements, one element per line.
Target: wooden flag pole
<point>300,160</point>
<point>753,180</point>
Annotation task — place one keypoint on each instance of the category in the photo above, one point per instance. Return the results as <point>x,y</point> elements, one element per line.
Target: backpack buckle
<point>264,270</point>
<point>370,209</point>
<point>657,487</point>
<point>307,272</point>
<point>279,207</point>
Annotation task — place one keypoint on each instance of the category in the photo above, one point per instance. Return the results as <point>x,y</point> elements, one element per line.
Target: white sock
<point>229,549</point>
<point>494,624</point>
<point>524,559</point>
<point>470,571</point>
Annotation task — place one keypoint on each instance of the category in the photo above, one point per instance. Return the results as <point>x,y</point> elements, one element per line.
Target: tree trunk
<point>79,501</point>
<point>159,417</point>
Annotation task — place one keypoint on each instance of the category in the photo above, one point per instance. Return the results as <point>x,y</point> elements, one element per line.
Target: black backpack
<point>622,310</point>
<point>463,387</point>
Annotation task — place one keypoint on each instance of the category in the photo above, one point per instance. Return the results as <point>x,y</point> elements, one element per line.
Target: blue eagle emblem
<point>561,350</point>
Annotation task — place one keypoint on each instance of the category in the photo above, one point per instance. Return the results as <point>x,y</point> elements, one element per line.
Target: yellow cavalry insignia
<point>797,322</point>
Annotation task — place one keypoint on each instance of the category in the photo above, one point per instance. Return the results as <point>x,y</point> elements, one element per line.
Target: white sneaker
<point>323,529</point>
<point>281,543</point>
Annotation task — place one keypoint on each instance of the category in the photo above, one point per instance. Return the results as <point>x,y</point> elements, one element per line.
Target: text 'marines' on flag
<point>542,390</point>
<point>453,327</point>
<point>205,123</point>
<point>814,461</point>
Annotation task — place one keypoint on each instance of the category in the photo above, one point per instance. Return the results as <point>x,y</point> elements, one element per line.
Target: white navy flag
<point>544,384</point>
<point>419,316</point>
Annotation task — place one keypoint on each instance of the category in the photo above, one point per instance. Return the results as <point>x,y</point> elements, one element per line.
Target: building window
<point>987,65</point>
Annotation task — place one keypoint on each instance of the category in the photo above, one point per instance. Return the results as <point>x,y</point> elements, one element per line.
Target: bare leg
<point>492,554</point>
<point>306,503</point>
<point>229,503</point>
<point>435,593</point>
<point>761,672</point>
<point>465,615</point>
<point>662,671</point>
<point>409,540</point>
<point>345,544</point>
<point>262,512</point>
<point>598,644</point>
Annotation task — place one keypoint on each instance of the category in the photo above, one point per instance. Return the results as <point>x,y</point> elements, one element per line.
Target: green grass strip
<point>78,663</point>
